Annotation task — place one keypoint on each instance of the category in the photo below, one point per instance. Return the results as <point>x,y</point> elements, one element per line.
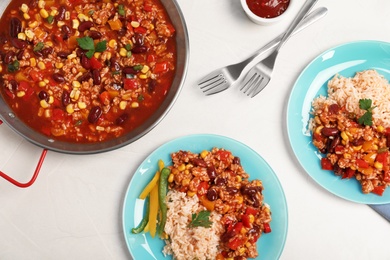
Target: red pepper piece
<point>326,164</point>
<point>378,190</point>
<point>362,163</point>
<point>267,228</point>
<point>235,243</point>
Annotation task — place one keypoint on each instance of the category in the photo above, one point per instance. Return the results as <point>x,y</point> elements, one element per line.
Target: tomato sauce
<point>268,8</point>
<point>86,70</point>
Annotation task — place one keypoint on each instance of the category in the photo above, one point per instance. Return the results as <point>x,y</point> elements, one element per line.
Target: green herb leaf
<point>365,104</point>
<point>138,67</point>
<point>50,19</point>
<point>366,118</point>
<point>89,53</point>
<point>128,47</point>
<point>14,66</point>
<point>121,10</point>
<point>86,43</point>
<point>202,219</point>
<point>101,46</point>
<point>38,47</point>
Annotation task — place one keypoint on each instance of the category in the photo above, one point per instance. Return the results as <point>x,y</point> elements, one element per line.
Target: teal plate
<point>143,246</point>
<point>345,60</point>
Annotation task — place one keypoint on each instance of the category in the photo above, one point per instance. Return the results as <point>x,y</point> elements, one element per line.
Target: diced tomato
<point>104,97</point>
<point>246,220</point>
<point>382,158</point>
<point>362,163</point>
<point>339,149</point>
<point>160,67</point>
<point>150,58</point>
<point>235,243</point>
<point>378,190</point>
<point>267,228</point>
<point>251,210</point>
<point>95,64</point>
<point>28,93</point>
<point>23,86</point>
<point>35,75</point>
<point>141,30</point>
<point>223,155</point>
<point>203,188</point>
<point>387,131</point>
<point>148,6</point>
<point>130,84</point>
<point>9,93</point>
<point>348,173</point>
<point>326,164</point>
<point>237,227</point>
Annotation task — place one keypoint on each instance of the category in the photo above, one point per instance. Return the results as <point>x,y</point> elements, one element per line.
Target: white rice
<point>368,84</point>
<point>190,243</point>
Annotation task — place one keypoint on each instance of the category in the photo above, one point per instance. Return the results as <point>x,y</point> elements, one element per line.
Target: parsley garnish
<point>121,10</point>
<point>366,118</point>
<point>50,19</point>
<point>201,219</point>
<point>14,66</point>
<point>87,44</point>
<point>38,47</point>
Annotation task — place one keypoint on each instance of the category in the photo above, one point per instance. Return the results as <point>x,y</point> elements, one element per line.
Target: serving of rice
<point>190,243</point>
<point>368,84</point>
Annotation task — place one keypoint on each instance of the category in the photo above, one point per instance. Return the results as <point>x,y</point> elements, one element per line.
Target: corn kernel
<point>318,129</point>
<point>100,128</point>
<point>67,15</point>
<point>75,23</point>
<point>53,12</point>
<point>112,43</point>
<point>59,65</point>
<point>123,105</point>
<point>49,43</point>
<point>240,199</point>
<point>24,8</point>
<point>41,3</point>
<point>347,156</point>
<point>251,218</point>
<point>20,93</point>
<point>378,165</point>
<point>191,193</point>
<point>44,14</point>
<point>242,250</point>
<point>145,69</point>
<point>189,166</point>
<point>97,55</point>
<point>41,65</point>
<point>344,136</point>
<point>151,27</point>
<point>22,36</point>
<point>123,52</point>
<point>1,68</point>
<point>134,24</point>
<point>75,94</point>
<point>81,105</point>
<point>185,182</point>
<point>51,100</point>
<point>243,231</point>
<point>204,153</point>
<point>43,103</point>
<point>82,17</point>
<point>76,84</point>
<point>134,104</point>
<point>380,129</point>
<point>181,167</point>
<point>357,148</point>
<point>70,109</point>
<point>238,178</point>
<point>170,178</point>
<point>143,76</point>
<point>60,23</point>
<point>29,33</point>
<point>186,172</point>
<point>42,84</point>
<point>26,16</point>
<point>33,24</point>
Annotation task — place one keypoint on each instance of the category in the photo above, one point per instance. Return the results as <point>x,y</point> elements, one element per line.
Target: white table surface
<point>74,209</point>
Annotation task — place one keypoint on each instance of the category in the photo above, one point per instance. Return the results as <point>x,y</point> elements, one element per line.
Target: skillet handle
<point>34,177</point>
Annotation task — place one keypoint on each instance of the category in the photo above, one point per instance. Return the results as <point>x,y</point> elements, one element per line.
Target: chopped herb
<point>14,66</point>
<point>128,54</point>
<point>91,12</point>
<point>50,19</point>
<point>78,122</point>
<point>87,44</point>
<point>38,47</point>
<point>202,219</point>
<point>128,47</point>
<point>141,97</point>
<point>121,10</point>
<point>138,67</point>
<point>366,118</point>
<point>116,72</point>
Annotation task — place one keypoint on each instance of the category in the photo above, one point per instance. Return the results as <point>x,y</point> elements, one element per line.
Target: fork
<point>223,78</point>
<point>260,75</point>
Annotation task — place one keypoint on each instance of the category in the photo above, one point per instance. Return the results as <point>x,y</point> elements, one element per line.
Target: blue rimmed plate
<point>142,246</point>
<point>345,60</point>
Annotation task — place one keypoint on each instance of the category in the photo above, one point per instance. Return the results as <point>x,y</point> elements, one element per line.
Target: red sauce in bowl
<point>268,8</point>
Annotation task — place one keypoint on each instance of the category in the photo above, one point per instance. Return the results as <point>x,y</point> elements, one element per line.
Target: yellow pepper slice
<point>153,211</point>
<point>150,186</point>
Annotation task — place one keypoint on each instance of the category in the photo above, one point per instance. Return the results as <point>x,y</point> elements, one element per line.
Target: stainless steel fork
<point>223,78</point>
<point>260,75</point>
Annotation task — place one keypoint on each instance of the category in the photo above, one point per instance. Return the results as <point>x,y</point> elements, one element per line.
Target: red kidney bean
<point>121,119</point>
<point>43,95</point>
<point>18,44</point>
<point>33,3</point>
<point>115,64</point>
<point>15,27</point>
<point>95,35</point>
<point>20,54</point>
<point>338,170</point>
<point>14,84</point>
<point>3,39</point>
<point>236,160</point>
<point>334,109</point>
<point>212,195</point>
<point>85,77</point>
<point>79,52</point>
<point>97,80</point>
<point>122,31</point>
<point>232,190</point>
<point>329,131</point>
<point>66,31</point>
<point>211,172</point>
<point>129,70</point>
<point>85,62</point>
<point>38,53</point>
<point>94,114</point>
<point>333,143</point>
<point>198,162</point>
<point>152,85</point>
<point>139,49</point>
<point>357,142</point>
<point>58,77</point>
<point>220,181</point>
<point>9,57</point>
<point>85,25</point>
<point>46,51</point>
<point>65,98</point>
<point>138,39</point>
<point>63,54</point>
<point>61,13</point>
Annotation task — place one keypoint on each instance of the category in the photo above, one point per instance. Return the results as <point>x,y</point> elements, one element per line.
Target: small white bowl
<point>261,20</point>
